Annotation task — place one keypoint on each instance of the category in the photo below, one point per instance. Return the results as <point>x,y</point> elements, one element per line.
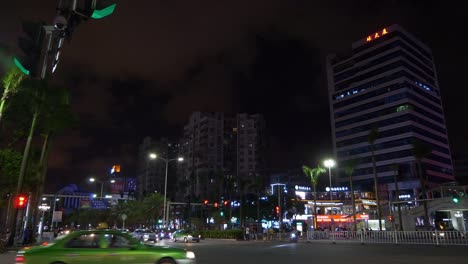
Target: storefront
<point>342,222</point>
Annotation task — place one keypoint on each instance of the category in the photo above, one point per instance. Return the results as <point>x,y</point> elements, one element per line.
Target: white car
<point>145,235</point>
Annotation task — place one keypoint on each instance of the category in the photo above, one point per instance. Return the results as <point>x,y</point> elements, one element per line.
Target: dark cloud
<point>144,69</point>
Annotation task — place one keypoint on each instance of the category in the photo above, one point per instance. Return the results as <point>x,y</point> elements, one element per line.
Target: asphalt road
<point>272,252</point>
<point>246,252</point>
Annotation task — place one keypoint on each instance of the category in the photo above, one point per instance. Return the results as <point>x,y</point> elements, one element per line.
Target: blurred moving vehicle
<point>449,233</point>
<point>102,246</point>
<point>186,236</point>
<point>293,236</point>
<point>145,235</point>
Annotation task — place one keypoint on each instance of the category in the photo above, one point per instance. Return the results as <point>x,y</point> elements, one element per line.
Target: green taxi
<point>186,236</point>
<point>102,246</point>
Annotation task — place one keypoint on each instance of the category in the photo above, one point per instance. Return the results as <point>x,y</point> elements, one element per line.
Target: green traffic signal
<point>20,66</point>
<point>455,199</point>
<point>100,13</point>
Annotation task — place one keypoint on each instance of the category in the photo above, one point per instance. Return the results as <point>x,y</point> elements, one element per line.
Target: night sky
<point>143,70</point>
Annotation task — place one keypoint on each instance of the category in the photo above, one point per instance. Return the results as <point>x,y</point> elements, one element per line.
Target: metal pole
<point>26,215</point>
<point>102,187</point>
<point>52,218</point>
<point>168,206</point>
<point>329,176</point>
<point>280,209</point>
<point>165,191</point>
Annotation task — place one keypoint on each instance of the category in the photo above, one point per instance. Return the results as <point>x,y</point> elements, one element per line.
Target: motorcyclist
<point>294,235</point>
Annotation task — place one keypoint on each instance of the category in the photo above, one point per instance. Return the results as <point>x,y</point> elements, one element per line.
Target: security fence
<point>435,237</point>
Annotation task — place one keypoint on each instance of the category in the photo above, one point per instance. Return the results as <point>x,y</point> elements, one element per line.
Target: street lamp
<point>329,163</point>
<point>101,182</point>
<point>179,159</point>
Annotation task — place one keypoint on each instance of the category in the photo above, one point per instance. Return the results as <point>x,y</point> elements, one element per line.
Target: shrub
<point>222,234</point>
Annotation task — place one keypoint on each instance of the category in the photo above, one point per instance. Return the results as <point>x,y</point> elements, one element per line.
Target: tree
<point>372,137</point>
<point>55,117</point>
<point>421,151</point>
<point>395,167</point>
<point>257,186</point>
<point>10,161</point>
<point>11,83</point>
<point>349,170</point>
<point>50,113</point>
<point>314,175</point>
<point>152,208</point>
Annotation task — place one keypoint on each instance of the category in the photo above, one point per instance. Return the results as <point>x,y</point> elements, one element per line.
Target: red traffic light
<point>277,209</point>
<point>390,218</point>
<point>226,203</point>
<point>205,202</point>
<point>215,205</point>
<point>21,201</point>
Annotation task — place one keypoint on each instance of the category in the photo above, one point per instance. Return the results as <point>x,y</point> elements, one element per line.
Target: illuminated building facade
<point>388,81</point>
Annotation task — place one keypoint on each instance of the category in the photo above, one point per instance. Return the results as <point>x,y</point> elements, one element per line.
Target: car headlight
<point>190,255</point>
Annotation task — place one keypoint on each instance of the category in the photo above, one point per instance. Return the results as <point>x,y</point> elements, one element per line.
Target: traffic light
<point>455,198</point>
<point>21,201</point>
<point>226,203</point>
<point>215,205</point>
<point>390,218</point>
<point>277,210</point>
<point>31,44</point>
<point>205,202</point>
<point>102,8</point>
<point>96,9</point>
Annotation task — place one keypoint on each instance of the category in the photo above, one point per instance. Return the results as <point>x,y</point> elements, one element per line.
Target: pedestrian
<point>247,234</point>
<point>265,233</point>
<point>254,231</point>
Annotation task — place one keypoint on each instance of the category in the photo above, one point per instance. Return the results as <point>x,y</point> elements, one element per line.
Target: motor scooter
<point>293,237</point>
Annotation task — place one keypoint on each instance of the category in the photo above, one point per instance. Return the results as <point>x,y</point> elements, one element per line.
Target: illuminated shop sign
<point>376,35</point>
<point>336,189</point>
<point>404,196</point>
<point>341,218</point>
<point>302,188</point>
<point>369,202</point>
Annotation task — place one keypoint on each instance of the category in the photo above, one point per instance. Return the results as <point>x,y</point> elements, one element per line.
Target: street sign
<point>57,216</point>
<point>124,217</point>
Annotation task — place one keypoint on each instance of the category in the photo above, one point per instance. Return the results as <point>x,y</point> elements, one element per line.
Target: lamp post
<point>101,182</point>
<point>179,159</point>
<point>329,163</point>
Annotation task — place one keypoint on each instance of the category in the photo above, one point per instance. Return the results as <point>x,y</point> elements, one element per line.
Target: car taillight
<point>20,259</point>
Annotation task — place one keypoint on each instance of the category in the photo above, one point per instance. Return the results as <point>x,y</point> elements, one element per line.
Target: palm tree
<point>314,175</point>
<point>257,186</point>
<point>395,167</point>
<point>11,83</point>
<point>243,185</point>
<point>349,170</point>
<point>56,116</point>
<point>421,151</point>
<point>373,135</point>
<point>39,88</point>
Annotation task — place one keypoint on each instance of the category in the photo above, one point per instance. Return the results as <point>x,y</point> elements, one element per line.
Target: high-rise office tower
<point>387,82</point>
